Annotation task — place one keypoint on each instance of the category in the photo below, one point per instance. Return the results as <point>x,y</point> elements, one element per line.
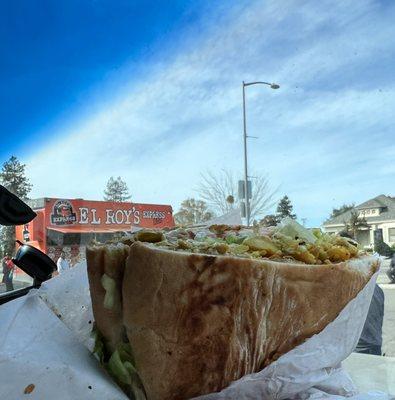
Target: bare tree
<point>219,191</point>
<point>215,189</point>
<point>263,196</point>
<point>193,212</point>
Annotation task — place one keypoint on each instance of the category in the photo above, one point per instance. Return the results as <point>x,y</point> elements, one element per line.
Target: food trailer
<point>71,224</point>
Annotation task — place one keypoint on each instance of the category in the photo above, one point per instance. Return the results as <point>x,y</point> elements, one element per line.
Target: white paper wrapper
<point>68,296</point>
<point>313,369</point>
<point>37,348</point>
<point>52,353</point>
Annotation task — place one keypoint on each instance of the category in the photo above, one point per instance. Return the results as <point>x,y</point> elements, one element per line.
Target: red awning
<point>87,229</point>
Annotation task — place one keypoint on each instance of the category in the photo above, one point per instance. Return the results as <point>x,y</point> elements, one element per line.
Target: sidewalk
<point>389,320</point>
<point>371,372</point>
<point>20,280</point>
<point>388,347</point>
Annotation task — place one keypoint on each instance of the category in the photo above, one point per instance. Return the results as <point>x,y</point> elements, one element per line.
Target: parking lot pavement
<point>383,278</point>
<point>389,321</point>
<point>389,310</point>
<point>17,285</point>
<point>20,280</point>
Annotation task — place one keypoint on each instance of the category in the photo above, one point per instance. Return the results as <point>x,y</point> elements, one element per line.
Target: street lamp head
<point>274,86</point>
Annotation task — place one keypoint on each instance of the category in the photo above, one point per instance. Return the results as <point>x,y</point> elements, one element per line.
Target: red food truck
<point>70,224</point>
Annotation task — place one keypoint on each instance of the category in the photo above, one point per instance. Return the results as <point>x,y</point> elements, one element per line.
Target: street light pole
<point>247,200</point>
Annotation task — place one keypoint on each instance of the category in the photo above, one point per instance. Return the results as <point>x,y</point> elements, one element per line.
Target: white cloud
<point>321,137</point>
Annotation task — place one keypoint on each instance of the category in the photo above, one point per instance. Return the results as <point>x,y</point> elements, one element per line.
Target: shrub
<point>383,249</point>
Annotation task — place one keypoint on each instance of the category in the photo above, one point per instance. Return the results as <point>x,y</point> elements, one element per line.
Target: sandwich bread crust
<point>198,322</point>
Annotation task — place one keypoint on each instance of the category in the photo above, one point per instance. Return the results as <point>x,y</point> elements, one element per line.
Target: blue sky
<point>151,91</point>
<point>56,52</point>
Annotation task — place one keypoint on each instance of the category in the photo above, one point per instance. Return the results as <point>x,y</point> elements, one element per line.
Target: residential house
<point>379,213</point>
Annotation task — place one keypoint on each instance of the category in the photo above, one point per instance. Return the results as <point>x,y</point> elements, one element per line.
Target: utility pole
<point>246,197</point>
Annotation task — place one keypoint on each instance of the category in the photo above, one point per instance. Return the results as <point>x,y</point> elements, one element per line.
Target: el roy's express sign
<point>113,215</point>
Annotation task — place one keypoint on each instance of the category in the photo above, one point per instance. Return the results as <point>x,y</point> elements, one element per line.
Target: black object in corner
<point>13,211</point>
<point>34,262</point>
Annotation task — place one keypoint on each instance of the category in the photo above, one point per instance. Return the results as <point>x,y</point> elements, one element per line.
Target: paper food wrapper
<point>45,340</point>
<point>313,369</point>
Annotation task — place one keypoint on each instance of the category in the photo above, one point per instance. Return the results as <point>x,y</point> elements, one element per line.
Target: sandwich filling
<point>287,242</point>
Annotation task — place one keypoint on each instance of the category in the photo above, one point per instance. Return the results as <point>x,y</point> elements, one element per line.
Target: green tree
<point>193,212</point>
<point>355,223</point>
<point>284,209</point>
<point>116,190</point>
<point>13,177</point>
<point>344,208</point>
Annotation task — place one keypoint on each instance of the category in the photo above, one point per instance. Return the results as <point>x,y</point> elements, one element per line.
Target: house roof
<point>385,203</point>
<point>377,202</point>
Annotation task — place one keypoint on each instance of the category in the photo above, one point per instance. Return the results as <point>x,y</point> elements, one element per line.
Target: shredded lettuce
<point>238,248</point>
<point>98,349</point>
<point>130,368</point>
<point>118,369</point>
<point>211,240</point>
<point>233,239</point>
<point>109,286</point>
<point>262,244</point>
<point>289,241</point>
<point>317,232</point>
<point>289,227</point>
<point>138,391</point>
<point>121,366</point>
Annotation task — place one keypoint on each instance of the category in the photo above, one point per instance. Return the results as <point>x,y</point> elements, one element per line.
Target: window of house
<point>391,235</point>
